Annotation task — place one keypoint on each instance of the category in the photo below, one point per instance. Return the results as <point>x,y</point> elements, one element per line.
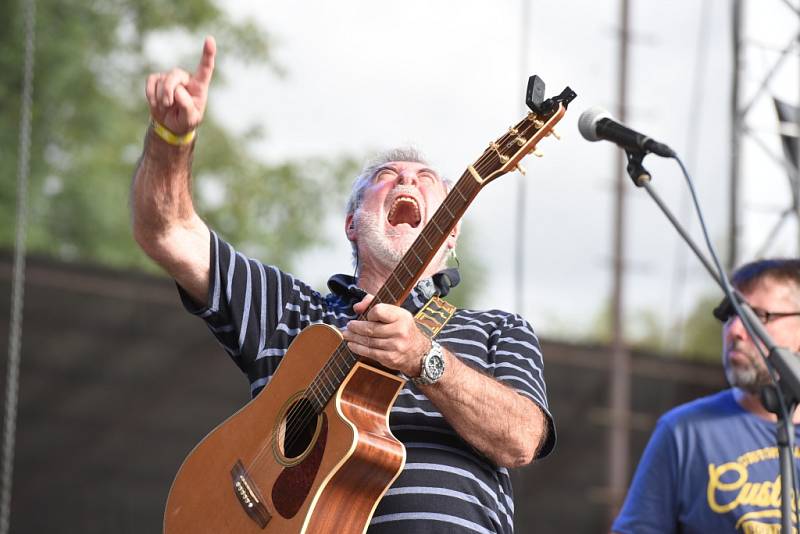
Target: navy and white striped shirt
<point>256,310</point>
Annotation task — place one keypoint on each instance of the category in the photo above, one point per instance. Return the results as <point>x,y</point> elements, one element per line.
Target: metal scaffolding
<point>756,87</point>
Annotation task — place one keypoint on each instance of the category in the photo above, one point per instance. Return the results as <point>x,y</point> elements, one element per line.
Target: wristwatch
<point>431,366</point>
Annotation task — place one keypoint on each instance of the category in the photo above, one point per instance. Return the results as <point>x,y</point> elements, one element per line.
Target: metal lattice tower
<point>764,150</point>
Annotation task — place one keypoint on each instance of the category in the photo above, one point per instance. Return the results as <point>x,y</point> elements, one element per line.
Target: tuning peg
<point>521,169</point>
<point>538,153</point>
<point>555,134</point>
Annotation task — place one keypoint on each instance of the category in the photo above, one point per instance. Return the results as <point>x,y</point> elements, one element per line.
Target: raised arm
<point>165,223</point>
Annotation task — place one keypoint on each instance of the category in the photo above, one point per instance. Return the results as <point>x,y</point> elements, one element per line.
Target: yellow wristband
<point>169,137</point>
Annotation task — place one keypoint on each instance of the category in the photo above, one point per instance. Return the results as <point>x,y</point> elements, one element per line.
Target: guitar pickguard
<point>294,483</point>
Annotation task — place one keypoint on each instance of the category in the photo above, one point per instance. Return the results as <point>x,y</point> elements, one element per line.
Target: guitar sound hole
<point>299,429</point>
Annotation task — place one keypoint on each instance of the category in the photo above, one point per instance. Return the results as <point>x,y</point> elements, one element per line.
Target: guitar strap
<point>434,315</point>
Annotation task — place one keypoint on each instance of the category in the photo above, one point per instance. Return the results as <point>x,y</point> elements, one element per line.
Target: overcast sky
<point>447,77</point>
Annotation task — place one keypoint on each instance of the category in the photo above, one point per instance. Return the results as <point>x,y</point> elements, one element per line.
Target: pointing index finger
<point>206,67</point>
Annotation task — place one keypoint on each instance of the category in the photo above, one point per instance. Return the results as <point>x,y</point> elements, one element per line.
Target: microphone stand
<point>781,399</point>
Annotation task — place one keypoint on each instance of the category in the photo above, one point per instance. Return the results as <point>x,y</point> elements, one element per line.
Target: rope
<point>18,280</point>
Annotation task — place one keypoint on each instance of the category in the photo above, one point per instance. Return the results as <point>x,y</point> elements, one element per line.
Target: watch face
<point>434,366</point>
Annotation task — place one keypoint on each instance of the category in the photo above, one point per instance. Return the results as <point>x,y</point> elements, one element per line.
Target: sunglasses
<point>725,311</point>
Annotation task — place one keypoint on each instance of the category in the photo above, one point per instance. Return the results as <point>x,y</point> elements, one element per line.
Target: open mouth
<point>404,210</point>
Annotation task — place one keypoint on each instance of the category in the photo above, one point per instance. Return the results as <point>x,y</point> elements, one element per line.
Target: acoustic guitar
<point>313,452</point>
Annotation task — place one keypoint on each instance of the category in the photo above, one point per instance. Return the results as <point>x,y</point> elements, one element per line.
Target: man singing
<point>476,403</point>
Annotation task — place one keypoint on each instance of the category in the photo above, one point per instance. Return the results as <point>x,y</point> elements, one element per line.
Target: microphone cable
<point>728,290</point>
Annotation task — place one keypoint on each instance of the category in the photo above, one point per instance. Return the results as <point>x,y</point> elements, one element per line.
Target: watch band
<point>430,319</point>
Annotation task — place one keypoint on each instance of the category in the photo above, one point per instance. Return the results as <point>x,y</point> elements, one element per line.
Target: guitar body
<point>257,473</point>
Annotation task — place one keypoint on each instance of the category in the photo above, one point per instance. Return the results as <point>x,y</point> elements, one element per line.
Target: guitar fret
<point>405,266</point>
<point>326,372</point>
<point>389,288</point>
<point>324,385</point>
<point>320,386</point>
<point>351,358</point>
<point>396,280</point>
<point>421,262</point>
<point>337,361</point>
<point>314,396</point>
<point>320,400</point>
<point>341,372</point>
<point>331,375</point>
<point>335,372</point>
<point>327,393</point>
<point>422,235</point>
<point>415,261</point>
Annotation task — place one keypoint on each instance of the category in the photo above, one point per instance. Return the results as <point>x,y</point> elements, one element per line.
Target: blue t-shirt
<point>710,466</point>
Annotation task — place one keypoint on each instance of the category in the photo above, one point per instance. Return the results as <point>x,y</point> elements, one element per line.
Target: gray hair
<point>367,174</point>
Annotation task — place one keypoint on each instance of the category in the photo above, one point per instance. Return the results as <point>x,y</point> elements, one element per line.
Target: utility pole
<point>797,153</point>
<point>522,195</point>
<point>618,449</point>
<point>736,138</point>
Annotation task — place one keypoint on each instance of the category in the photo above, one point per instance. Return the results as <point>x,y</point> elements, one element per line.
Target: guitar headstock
<point>505,153</point>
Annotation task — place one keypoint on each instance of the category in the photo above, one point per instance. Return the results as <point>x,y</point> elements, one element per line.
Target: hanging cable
<point>18,280</point>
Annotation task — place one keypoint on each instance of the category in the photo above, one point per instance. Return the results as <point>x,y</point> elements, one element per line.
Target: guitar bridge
<point>248,495</point>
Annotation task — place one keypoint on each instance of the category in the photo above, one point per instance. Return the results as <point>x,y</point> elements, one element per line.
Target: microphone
<point>596,123</point>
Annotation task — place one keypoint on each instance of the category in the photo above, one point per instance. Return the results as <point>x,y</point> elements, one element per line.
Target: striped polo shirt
<point>256,310</point>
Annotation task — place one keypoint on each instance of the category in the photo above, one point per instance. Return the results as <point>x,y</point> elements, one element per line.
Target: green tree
<point>88,120</point>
